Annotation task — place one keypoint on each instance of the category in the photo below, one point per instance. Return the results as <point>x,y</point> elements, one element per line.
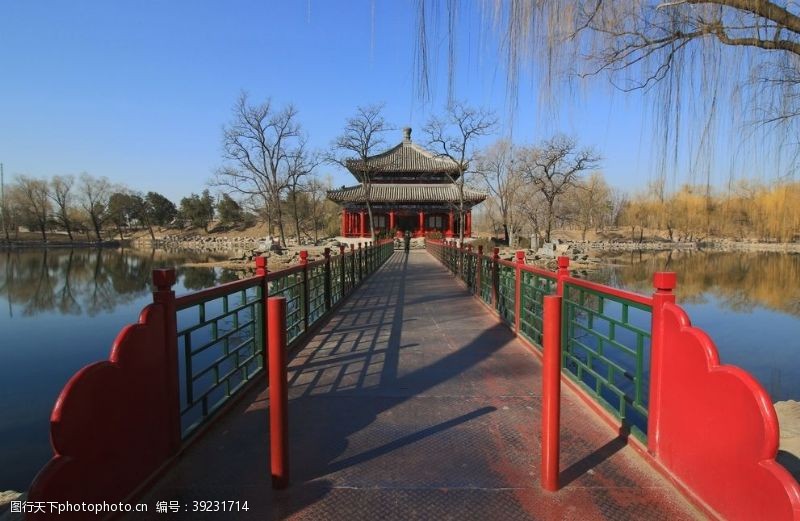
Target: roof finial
<point>407,135</point>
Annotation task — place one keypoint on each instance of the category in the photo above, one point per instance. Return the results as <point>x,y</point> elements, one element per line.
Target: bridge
<point>416,389</point>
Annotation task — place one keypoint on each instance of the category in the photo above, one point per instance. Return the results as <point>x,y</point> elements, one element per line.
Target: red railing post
<point>360,263</point>
<point>561,274</point>
<point>478,270</point>
<point>261,271</point>
<point>352,267</point>
<point>664,282</point>
<point>495,275</point>
<point>469,276</point>
<point>551,391</point>
<point>306,293</point>
<point>163,280</point>
<point>518,289</point>
<point>460,262</point>
<point>327,290</point>
<point>278,393</point>
<point>342,276</point>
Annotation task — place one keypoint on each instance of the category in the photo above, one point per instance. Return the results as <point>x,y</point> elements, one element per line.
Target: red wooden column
<point>450,221</point>
<point>344,222</point>
<point>391,220</point>
<point>421,224</point>
<point>468,224</point>
<point>363,224</point>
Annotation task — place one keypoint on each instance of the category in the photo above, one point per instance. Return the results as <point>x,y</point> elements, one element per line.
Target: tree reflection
<point>90,281</point>
<point>740,281</point>
<point>198,278</point>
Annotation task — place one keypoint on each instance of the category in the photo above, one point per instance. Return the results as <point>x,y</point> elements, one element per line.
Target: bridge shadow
<point>355,388</point>
<point>401,390</point>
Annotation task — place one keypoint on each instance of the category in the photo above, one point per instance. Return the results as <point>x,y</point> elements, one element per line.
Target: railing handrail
<point>695,405</point>
<point>152,390</point>
<point>204,295</point>
<point>610,290</point>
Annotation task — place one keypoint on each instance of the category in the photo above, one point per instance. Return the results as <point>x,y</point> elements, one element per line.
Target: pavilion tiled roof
<point>406,193</point>
<point>404,158</point>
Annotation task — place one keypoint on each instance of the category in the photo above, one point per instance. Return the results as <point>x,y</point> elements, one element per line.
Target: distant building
<point>411,191</point>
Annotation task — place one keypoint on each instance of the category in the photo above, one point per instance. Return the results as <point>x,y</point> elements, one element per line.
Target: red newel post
<point>261,271</point>
<point>305,293</point>
<point>469,267</point>
<point>352,266</point>
<point>561,274</point>
<point>163,280</point>
<point>461,251</point>
<point>360,263</point>
<point>551,391</point>
<point>478,270</point>
<point>520,258</point>
<point>328,286</point>
<point>278,393</point>
<point>344,266</point>
<point>495,276</point>
<point>664,283</point>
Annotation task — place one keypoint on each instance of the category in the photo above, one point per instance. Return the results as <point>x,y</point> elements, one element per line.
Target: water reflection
<point>738,281</point>
<point>91,282</point>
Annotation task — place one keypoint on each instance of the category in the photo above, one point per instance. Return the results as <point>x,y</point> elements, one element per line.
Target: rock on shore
<point>789,419</point>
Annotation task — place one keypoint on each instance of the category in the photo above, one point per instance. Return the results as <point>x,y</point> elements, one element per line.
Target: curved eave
<point>406,193</point>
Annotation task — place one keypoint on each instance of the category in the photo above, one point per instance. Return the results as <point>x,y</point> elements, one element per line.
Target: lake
<point>61,309</point>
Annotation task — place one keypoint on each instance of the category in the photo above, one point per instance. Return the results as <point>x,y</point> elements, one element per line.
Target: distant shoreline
<point>32,245</point>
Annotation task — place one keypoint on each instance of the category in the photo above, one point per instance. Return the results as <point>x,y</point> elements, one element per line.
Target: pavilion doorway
<point>407,223</point>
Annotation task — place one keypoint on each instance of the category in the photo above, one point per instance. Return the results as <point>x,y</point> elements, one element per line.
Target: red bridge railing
<point>118,422</point>
<point>710,428</point>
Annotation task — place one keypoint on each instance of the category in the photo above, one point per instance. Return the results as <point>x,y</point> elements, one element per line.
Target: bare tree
<point>592,204</point>
<point>361,138</point>
<point>554,167</point>
<point>95,193</point>
<point>496,168</point>
<point>690,56</point>
<point>259,144</point>
<point>454,136</point>
<point>60,193</point>
<point>301,166</point>
<point>533,208</point>
<point>35,202</point>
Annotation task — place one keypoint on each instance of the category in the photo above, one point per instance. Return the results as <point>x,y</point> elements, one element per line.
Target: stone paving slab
<point>413,402</point>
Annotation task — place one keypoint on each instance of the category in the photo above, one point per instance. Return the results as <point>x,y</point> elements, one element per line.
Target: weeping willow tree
<point>710,69</point>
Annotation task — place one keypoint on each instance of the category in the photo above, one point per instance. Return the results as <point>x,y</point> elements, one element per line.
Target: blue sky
<point>139,91</point>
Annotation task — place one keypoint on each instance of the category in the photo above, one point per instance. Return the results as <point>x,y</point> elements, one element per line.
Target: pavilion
<point>412,190</point>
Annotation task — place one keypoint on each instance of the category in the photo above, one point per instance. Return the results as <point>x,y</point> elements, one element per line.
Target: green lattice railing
<point>605,331</point>
<point>605,347</point>
<point>220,347</point>
<point>220,331</point>
<point>532,291</point>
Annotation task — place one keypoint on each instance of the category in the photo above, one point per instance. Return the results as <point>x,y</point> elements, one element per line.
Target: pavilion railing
<point>639,358</point>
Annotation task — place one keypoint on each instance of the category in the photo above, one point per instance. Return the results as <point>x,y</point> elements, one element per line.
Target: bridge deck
<point>414,403</point>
